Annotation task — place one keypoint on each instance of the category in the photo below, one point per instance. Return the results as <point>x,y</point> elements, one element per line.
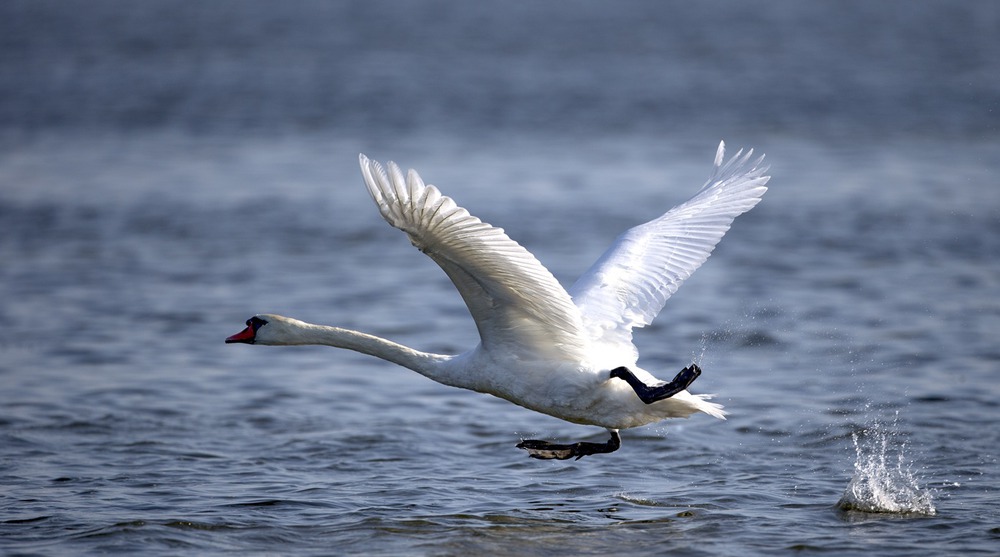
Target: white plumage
<point>541,346</point>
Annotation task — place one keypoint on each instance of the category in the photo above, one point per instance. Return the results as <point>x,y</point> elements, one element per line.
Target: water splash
<point>883,480</point>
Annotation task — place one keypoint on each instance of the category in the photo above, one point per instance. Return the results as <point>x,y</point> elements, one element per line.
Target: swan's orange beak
<point>245,336</point>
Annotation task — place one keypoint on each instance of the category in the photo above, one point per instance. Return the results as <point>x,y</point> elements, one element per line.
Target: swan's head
<point>269,329</point>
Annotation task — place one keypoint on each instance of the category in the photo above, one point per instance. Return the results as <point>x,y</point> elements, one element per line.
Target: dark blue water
<point>168,169</point>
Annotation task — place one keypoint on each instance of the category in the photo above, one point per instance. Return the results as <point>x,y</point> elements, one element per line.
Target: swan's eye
<point>256,323</point>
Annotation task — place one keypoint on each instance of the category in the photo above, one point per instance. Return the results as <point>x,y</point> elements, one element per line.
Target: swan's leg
<point>545,450</point>
<point>649,394</point>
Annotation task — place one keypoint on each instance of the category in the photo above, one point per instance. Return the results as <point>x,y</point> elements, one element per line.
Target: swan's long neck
<point>433,366</point>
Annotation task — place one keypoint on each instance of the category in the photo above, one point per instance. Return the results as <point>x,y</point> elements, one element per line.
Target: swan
<point>565,353</point>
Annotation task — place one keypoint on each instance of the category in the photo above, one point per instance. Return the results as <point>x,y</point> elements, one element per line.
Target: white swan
<point>565,354</point>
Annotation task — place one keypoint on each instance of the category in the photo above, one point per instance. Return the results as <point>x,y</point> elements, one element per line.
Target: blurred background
<point>837,71</point>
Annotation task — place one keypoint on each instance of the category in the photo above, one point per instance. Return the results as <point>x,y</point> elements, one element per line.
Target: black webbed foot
<point>544,450</point>
<point>649,394</point>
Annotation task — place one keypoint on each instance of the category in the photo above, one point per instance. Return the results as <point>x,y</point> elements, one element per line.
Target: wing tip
<point>740,167</point>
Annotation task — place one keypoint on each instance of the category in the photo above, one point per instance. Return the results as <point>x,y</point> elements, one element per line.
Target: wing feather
<point>628,286</point>
<point>512,297</point>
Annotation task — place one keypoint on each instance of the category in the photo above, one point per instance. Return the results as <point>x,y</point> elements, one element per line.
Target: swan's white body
<point>543,347</point>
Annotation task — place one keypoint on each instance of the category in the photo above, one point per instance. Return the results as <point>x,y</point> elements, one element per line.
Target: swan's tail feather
<point>713,409</point>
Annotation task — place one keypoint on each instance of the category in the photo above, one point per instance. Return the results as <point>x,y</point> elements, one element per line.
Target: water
<point>883,480</point>
<point>168,170</point>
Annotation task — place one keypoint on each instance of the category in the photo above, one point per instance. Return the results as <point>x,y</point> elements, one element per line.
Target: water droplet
<point>883,481</point>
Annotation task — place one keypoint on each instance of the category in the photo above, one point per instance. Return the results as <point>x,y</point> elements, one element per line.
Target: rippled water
<point>129,426</point>
<point>848,323</point>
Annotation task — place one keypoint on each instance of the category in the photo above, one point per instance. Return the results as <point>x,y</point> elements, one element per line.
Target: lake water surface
<point>166,179</point>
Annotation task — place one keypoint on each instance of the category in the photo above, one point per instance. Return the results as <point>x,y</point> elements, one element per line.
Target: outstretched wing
<point>628,286</point>
<point>514,300</point>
